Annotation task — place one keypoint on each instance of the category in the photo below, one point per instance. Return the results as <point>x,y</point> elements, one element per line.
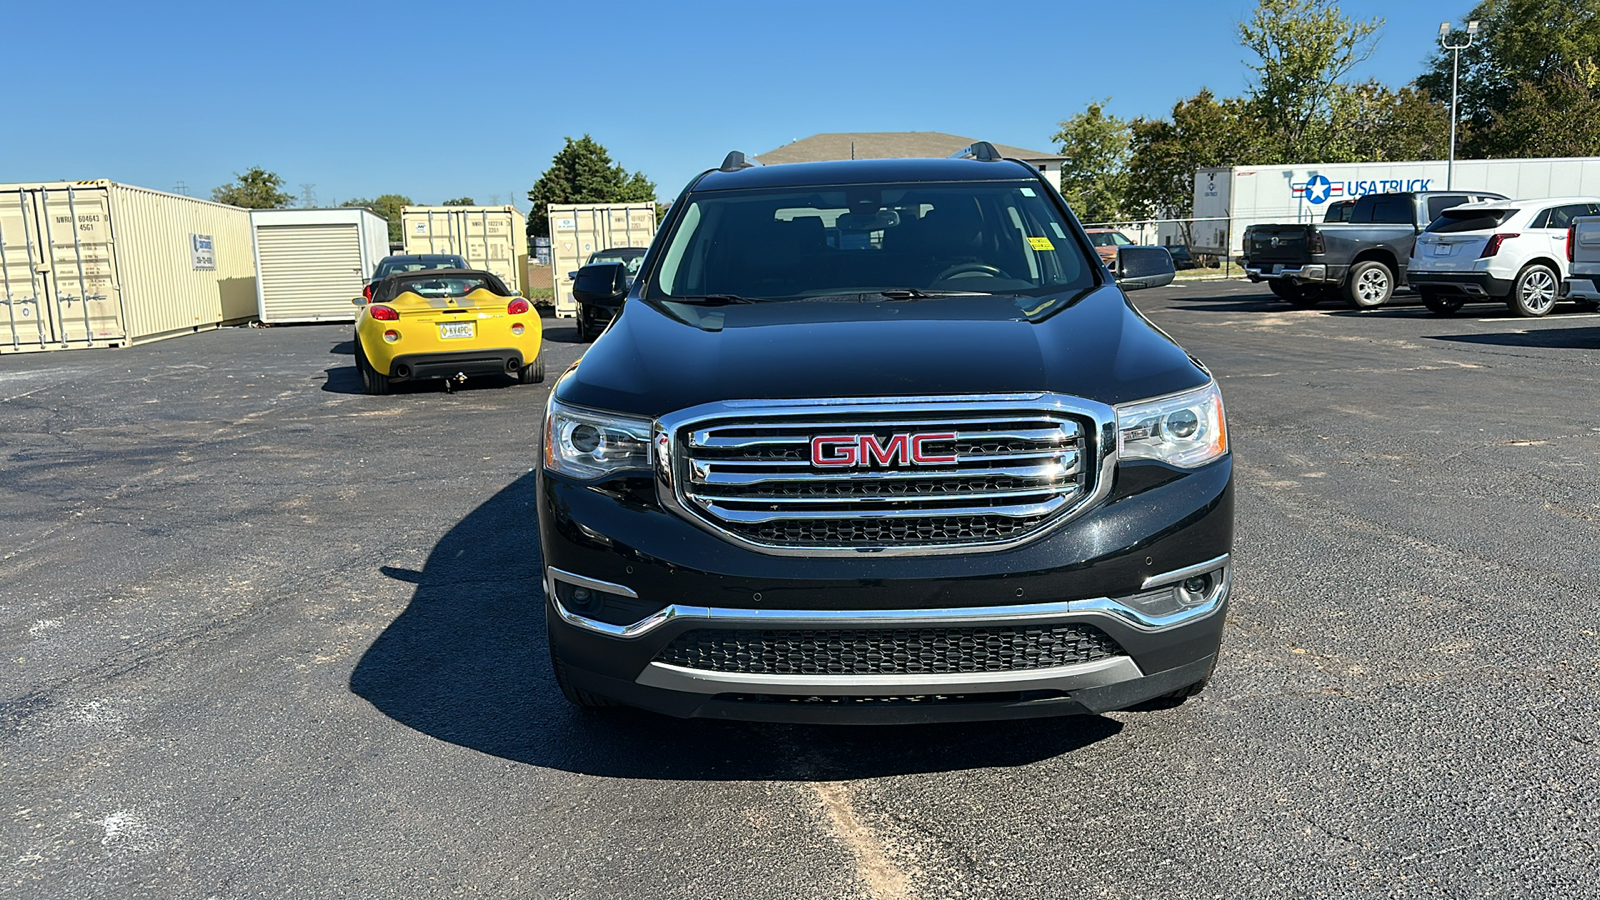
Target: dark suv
<point>883,441</point>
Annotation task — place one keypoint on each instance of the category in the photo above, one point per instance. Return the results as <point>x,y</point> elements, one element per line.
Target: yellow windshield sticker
<point>1038,243</point>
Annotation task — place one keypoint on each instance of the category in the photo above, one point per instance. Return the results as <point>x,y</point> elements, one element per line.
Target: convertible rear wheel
<point>371,380</point>
<point>533,373</point>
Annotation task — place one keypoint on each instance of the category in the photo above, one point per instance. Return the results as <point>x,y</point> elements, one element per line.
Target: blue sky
<point>436,101</point>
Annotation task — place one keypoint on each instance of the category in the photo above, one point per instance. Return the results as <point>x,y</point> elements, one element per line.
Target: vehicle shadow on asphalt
<point>1582,338</point>
<point>466,663</point>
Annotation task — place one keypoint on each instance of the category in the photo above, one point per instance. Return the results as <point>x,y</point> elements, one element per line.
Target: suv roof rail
<point>734,161</point>
<point>983,151</point>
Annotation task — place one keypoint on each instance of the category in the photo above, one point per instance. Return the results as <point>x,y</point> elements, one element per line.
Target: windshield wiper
<point>713,299</point>
<point>919,294</point>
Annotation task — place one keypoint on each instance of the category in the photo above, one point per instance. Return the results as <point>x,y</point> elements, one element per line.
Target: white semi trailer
<point>1228,200</point>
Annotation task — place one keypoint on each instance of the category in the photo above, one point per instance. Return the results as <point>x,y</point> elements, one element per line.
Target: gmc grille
<point>898,651</point>
<point>1013,472</point>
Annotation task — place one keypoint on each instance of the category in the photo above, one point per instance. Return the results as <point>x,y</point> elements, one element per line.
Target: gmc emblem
<point>855,450</point>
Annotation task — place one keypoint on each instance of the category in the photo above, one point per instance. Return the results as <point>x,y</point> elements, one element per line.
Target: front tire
<point>1440,304</point>
<point>1370,285</point>
<point>1534,292</point>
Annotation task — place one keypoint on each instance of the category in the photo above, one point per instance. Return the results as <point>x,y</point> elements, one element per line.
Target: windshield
<point>1110,239</point>
<point>969,237</point>
<point>418,264</point>
<point>629,258</point>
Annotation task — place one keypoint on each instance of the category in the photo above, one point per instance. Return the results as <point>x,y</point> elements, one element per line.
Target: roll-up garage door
<point>309,273</point>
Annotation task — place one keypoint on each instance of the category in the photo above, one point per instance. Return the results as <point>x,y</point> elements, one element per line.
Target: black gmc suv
<point>884,441</point>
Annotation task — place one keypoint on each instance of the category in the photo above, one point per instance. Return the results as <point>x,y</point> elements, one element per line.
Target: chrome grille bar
<point>744,470</point>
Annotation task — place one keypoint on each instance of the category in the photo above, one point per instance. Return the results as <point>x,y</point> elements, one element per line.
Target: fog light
<point>1196,589</point>
<point>391,336</point>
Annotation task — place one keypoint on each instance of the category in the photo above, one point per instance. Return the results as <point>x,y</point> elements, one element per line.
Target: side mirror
<point>359,301</point>
<point>1144,267</point>
<point>571,275</point>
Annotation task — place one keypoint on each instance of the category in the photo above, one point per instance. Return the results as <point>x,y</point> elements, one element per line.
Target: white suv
<point>1508,250</point>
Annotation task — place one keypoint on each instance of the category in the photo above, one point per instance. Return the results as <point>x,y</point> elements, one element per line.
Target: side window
<point>1542,219</point>
<point>1391,211</point>
<point>1562,216</point>
<point>1437,205</point>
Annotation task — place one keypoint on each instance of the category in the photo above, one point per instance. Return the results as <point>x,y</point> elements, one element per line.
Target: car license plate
<point>1441,249</point>
<point>449,330</point>
<point>1276,268</point>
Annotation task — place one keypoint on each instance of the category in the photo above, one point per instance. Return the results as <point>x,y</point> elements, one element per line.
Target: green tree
<point>255,189</point>
<point>1559,116</point>
<point>1371,122</point>
<point>388,206</point>
<point>582,172</point>
<point>461,201</point>
<point>1094,177</point>
<point>1304,48</point>
<point>1203,132</point>
<point>1545,43</point>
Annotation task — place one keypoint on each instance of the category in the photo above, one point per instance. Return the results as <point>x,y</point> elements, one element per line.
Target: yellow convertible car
<point>445,324</point>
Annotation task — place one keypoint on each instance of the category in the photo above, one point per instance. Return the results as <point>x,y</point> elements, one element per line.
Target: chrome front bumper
<point>1135,612</point>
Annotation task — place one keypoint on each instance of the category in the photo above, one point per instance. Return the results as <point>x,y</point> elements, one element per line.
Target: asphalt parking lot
<point>266,636</point>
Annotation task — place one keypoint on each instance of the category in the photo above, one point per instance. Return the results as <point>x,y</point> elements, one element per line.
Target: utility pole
<point>181,188</point>
<point>308,195</point>
<point>1455,75</point>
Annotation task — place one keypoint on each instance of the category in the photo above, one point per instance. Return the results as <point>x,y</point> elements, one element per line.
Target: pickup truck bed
<point>1583,252</point>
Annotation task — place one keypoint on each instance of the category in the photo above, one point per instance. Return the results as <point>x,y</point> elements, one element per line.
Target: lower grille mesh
<point>901,651</point>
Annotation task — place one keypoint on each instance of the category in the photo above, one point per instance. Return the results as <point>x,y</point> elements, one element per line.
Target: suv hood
<point>650,363</point>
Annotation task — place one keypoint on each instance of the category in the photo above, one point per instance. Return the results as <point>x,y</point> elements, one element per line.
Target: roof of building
<point>886,145</point>
<point>863,171</point>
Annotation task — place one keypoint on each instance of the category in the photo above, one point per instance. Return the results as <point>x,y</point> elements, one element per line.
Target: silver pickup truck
<point>1583,254</point>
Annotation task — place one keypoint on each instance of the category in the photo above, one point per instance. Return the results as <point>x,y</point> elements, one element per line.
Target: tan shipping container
<point>494,238</point>
<point>579,229</point>
<point>101,264</point>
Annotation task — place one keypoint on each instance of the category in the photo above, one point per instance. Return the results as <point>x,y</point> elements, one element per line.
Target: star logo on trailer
<point>1317,189</point>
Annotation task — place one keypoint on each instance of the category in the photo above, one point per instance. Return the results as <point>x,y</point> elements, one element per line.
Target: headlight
<point>1185,430</point>
<point>584,443</point>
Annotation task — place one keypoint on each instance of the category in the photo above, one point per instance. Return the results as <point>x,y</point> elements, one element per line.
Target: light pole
<point>1455,73</point>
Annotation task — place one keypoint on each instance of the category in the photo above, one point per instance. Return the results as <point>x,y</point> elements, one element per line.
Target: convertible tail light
<point>1572,241</point>
<point>517,307</point>
<point>366,292</point>
<point>1493,246</point>
<point>385,314</point>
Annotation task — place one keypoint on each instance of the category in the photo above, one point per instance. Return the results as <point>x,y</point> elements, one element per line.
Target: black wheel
<point>573,695</point>
<point>1286,290</point>
<point>532,373</point>
<point>1534,292</point>
<point>1369,285</point>
<point>1441,304</point>
<point>372,381</point>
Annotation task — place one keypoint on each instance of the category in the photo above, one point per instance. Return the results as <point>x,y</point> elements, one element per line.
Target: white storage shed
<point>311,263</point>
